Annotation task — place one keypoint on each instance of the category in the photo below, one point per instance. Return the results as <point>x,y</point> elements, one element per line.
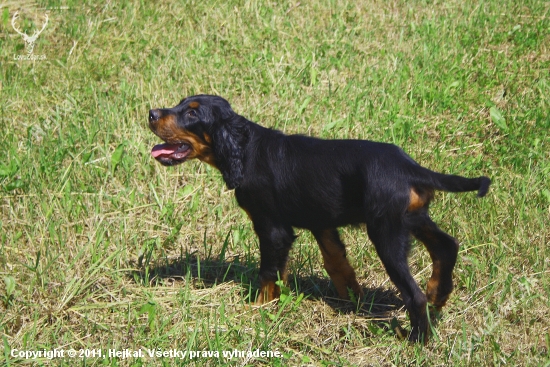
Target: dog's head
<point>203,127</point>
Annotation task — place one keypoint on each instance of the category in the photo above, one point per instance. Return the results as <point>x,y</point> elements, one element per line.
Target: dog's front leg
<point>275,243</point>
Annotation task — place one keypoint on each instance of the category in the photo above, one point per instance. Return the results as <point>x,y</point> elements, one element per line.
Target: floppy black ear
<point>228,142</point>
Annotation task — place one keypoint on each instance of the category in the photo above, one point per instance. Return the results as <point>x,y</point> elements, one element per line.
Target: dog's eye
<point>192,113</point>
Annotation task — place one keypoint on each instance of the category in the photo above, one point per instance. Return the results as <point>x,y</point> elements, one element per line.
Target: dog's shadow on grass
<point>377,303</point>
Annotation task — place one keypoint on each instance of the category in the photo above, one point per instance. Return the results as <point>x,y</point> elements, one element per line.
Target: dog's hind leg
<point>443,251</point>
<point>391,240</point>
<point>336,263</point>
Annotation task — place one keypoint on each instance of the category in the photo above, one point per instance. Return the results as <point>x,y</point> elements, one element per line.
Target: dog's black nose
<point>154,115</point>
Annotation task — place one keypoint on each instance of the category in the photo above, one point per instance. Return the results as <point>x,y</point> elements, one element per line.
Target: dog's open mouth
<point>170,154</point>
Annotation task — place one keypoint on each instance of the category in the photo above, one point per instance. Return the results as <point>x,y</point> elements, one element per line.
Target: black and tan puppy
<point>285,181</point>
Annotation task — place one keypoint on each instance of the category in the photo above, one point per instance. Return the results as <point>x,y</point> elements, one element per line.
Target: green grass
<point>103,248</point>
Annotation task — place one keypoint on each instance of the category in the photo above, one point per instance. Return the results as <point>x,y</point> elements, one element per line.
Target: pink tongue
<point>164,149</point>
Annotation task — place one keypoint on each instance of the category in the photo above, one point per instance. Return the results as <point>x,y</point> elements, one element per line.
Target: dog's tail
<point>453,183</point>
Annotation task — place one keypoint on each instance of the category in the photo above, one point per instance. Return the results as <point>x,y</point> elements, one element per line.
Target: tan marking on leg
<point>433,284</point>
<point>268,292</point>
<point>440,285</point>
<point>337,265</point>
